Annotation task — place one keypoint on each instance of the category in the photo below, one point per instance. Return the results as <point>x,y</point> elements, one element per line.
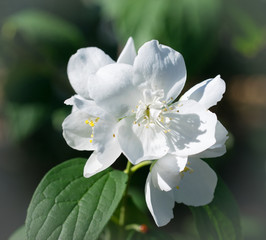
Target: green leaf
<point>45,34</point>
<point>185,25</point>
<point>134,214</point>
<point>19,234</point>
<point>220,219</point>
<point>38,25</point>
<point>66,205</point>
<point>24,119</point>
<point>249,37</point>
<point>152,234</point>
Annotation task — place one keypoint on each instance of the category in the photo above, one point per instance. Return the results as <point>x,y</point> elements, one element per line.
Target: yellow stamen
<point>177,187</point>
<point>91,123</point>
<point>188,169</point>
<point>167,130</point>
<point>91,135</point>
<point>90,140</point>
<point>113,135</point>
<point>87,121</point>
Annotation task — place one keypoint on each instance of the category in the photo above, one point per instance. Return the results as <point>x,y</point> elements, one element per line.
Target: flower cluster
<point>130,107</point>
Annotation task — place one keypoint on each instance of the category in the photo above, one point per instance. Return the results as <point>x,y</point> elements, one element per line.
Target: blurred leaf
<point>152,234</point>
<point>249,38</point>
<point>113,231</point>
<point>29,83</point>
<point>24,119</point>
<point>134,218</point>
<point>134,214</point>
<point>253,227</point>
<point>66,205</point>
<point>105,234</point>
<point>58,117</point>
<point>19,234</point>
<point>38,25</point>
<point>220,219</point>
<point>188,26</point>
<point>138,198</point>
<point>50,34</point>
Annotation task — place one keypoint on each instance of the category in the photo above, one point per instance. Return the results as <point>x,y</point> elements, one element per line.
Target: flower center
<point>147,114</point>
<point>153,111</point>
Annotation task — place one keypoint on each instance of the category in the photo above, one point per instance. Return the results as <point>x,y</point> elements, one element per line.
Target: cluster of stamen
<point>154,113</point>
<point>186,169</point>
<point>92,122</point>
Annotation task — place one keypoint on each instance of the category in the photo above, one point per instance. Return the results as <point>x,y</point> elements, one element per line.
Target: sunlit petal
<point>114,90</point>
<point>207,93</point>
<point>159,203</point>
<point>192,128</point>
<point>83,65</point>
<point>160,67</point>
<point>128,54</point>
<point>140,143</point>
<point>197,186</point>
<point>165,173</point>
<point>99,161</point>
<point>219,148</point>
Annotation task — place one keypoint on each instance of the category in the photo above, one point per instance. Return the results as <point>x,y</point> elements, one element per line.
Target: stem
<point>140,165</point>
<point>128,168</point>
<point>122,215</point>
<point>123,206</point>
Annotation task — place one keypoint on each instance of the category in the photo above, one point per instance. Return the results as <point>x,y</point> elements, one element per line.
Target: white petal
<point>165,172</point>
<point>99,161</point>
<point>192,128</point>
<point>219,148</point>
<point>70,101</point>
<point>159,203</point>
<point>196,188</point>
<point>82,65</point>
<point>114,90</point>
<point>160,67</point>
<point>78,103</point>
<point>78,134</point>
<point>207,93</point>
<point>129,53</point>
<point>139,143</point>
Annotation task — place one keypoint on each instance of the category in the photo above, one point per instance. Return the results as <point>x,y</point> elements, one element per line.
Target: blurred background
<point>226,37</point>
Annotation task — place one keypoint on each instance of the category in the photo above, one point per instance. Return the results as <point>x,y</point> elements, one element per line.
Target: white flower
<point>187,180</point>
<point>127,106</point>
